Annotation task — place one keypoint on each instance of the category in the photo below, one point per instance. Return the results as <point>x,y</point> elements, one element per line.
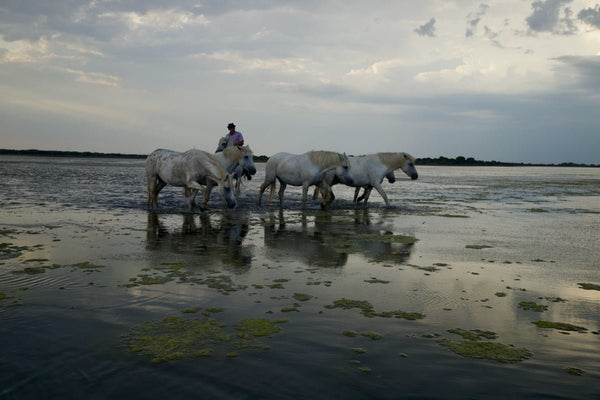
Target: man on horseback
<point>234,137</point>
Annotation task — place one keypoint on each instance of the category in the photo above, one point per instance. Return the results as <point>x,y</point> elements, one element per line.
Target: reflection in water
<point>329,241</point>
<point>211,239</point>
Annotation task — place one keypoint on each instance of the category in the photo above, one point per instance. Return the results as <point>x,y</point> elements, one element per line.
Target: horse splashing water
<point>305,170</point>
<point>187,170</point>
<point>368,172</point>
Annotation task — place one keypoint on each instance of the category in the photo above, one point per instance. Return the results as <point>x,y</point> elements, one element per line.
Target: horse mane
<point>232,153</point>
<point>208,161</point>
<point>325,158</point>
<point>395,160</point>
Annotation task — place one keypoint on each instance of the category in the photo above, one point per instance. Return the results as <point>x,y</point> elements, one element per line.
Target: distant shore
<point>440,161</point>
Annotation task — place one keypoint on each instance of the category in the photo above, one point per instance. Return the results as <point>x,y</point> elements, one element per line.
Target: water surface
<point>86,271</point>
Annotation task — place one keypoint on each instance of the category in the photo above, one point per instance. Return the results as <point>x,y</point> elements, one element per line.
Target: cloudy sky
<point>511,80</point>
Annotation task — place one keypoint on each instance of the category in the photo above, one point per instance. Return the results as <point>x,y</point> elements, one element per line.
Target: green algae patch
<point>258,326</point>
<point>149,279</point>
<point>174,338</point>
<point>402,239</point>
<point>87,265</point>
<point>478,246</point>
<point>359,350</point>
<point>348,304</point>
<point>375,280</point>
<point>473,334</point>
<point>561,326</point>
<point>574,371</point>
<point>488,350</point>
<point>589,286</point>
<point>302,297</point>
<point>368,310</point>
<point>532,306</point>
<point>538,210</point>
<point>372,335</point>
<point>32,270</point>
<point>4,296</point>
<point>290,309</point>
<point>500,294</point>
<point>191,310</point>
<point>349,333</point>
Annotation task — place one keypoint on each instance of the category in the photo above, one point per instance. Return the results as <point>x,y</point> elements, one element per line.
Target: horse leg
<point>238,183</point>
<point>192,194</point>
<point>382,193</point>
<point>206,197</point>
<point>159,184</point>
<point>150,180</point>
<point>282,187</point>
<point>356,191</point>
<point>304,194</point>
<point>193,187</point>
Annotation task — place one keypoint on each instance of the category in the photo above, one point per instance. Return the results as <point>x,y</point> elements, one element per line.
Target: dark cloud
<point>474,19</point>
<point>427,29</point>
<point>590,16</point>
<point>586,70</point>
<point>546,17</point>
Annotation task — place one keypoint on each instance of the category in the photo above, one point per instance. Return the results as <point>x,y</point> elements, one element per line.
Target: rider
<point>235,138</point>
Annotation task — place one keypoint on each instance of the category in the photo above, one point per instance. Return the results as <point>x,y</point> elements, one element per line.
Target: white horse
<point>230,158</point>
<point>167,167</point>
<point>239,170</point>
<point>368,172</point>
<point>305,170</point>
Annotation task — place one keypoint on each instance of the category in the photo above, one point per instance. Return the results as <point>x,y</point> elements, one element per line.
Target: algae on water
<point>174,338</point>
<point>589,286</point>
<point>488,350</point>
<point>532,306</point>
<point>561,326</point>
<point>368,310</point>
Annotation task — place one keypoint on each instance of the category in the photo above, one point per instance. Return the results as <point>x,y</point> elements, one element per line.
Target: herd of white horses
<point>197,170</point>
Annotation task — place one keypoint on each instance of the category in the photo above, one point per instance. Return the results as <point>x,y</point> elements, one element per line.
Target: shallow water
<point>85,267</point>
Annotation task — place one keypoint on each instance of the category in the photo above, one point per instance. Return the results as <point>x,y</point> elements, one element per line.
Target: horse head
<point>408,166</point>
<point>247,160</point>
<point>222,144</point>
<point>227,189</point>
<point>343,172</point>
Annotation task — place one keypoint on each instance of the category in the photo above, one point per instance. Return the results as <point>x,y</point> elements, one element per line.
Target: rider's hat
<point>231,125</point>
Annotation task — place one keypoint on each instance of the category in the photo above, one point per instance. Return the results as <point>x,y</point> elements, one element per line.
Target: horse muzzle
<point>414,176</point>
<point>231,203</point>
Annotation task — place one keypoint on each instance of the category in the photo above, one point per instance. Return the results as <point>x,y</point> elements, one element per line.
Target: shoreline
<point>440,161</point>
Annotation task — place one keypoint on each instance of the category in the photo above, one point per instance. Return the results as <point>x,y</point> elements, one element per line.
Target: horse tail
<point>272,192</point>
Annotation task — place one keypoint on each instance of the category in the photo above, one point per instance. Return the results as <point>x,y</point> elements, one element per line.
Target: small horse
<point>230,158</point>
<point>239,171</point>
<point>167,167</point>
<point>305,170</point>
<point>368,172</point>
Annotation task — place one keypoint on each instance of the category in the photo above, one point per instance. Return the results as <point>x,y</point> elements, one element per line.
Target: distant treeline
<point>86,154</point>
<point>57,153</point>
<point>458,161</point>
<point>470,161</point>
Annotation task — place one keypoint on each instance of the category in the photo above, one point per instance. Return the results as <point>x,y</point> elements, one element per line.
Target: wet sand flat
<point>477,282</point>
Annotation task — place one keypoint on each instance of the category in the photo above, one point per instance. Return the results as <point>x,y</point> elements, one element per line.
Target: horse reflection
<point>222,240</point>
<point>330,239</point>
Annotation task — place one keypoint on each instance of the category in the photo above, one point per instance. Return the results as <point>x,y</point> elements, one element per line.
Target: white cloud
<point>157,20</point>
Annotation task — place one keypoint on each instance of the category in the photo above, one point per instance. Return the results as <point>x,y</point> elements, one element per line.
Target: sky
<point>510,80</point>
